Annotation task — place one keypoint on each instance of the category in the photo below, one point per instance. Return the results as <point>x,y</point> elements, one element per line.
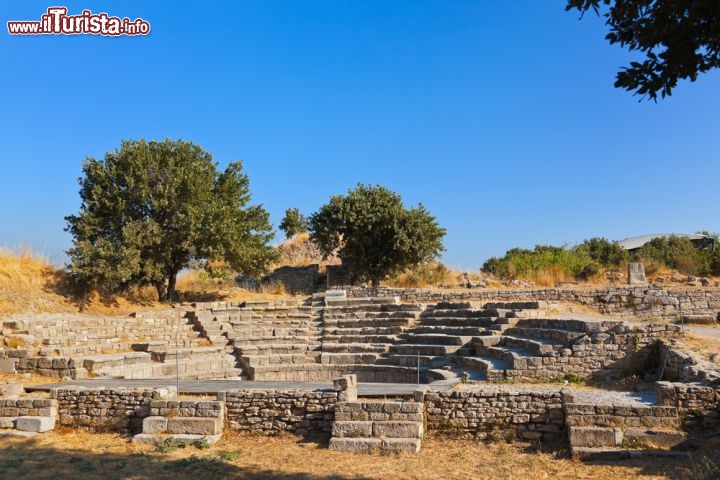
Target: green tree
<point>293,223</point>
<point>679,38</point>
<point>607,254</point>
<point>374,234</point>
<point>149,209</point>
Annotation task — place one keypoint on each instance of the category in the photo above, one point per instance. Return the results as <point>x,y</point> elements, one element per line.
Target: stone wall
<point>50,367</point>
<point>296,280</point>
<point>698,405</point>
<point>606,415</point>
<point>680,366</point>
<point>530,413</point>
<point>34,407</point>
<point>621,302</point>
<point>273,411</point>
<point>102,409</point>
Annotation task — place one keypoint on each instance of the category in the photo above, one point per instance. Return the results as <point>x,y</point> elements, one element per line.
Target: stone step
<point>354,347</point>
<point>435,339</point>
<point>273,349</point>
<point>364,358</point>
<point>490,368</point>
<point>391,428</point>
<point>370,444</point>
<point>274,359</point>
<point>530,305</point>
<point>486,323</point>
<point>169,355</point>
<point>153,438</point>
<point>595,437</point>
<point>426,361</point>
<point>362,331</point>
<point>366,322</point>
<point>450,330</point>
<point>96,362</point>
<point>269,335</point>
<point>534,347</point>
<point>583,326</point>
<point>387,339</point>
<point>469,313</point>
<point>595,454</point>
<point>430,350</point>
<point>553,334</point>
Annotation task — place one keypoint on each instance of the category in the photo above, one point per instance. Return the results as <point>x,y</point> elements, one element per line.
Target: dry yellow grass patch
<point>80,455</point>
<point>703,345</point>
<point>30,284</point>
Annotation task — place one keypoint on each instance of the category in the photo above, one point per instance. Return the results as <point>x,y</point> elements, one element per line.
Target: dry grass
<point>80,455</point>
<point>30,284</point>
<point>703,345</point>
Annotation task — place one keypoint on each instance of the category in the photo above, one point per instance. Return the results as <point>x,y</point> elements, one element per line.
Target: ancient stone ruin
<point>470,366</point>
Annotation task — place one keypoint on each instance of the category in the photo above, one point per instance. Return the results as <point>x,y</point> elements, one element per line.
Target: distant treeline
<point>596,255</point>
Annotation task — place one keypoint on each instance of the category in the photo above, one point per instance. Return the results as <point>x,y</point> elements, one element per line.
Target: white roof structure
<point>636,242</point>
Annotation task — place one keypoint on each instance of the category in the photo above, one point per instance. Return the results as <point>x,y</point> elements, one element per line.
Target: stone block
<point>11,389</point>
<point>397,429</point>
<point>35,424</point>
<point>352,429</point>
<point>636,274</point>
<point>7,422</point>
<point>8,365</point>
<point>346,444</point>
<point>154,439</point>
<point>195,426</point>
<point>155,424</point>
<point>595,436</point>
<point>411,445</point>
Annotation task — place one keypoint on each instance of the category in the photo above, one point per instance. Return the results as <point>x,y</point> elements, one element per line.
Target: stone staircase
<point>444,335</point>
<point>362,333</point>
<point>374,426</point>
<point>188,421</point>
<point>615,431</point>
<point>527,347</point>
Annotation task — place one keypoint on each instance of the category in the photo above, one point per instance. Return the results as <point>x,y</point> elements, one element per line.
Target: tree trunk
<point>172,280</point>
<point>160,287</point>
<point>375,282</point>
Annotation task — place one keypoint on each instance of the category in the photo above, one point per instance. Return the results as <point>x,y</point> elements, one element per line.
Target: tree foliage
<point>374,234</point>
<point>581,261</point>
<point>293,223</point>
<point>680,39</point>
<point>679,253</point>
<point>150,208</point>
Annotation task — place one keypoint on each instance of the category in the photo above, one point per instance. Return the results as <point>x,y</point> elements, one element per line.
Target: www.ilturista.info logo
<point>57,22</point>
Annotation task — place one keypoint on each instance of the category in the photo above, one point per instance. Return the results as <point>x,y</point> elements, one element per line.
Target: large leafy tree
<point>293,222</point>
<point>149,209</point>
<point>374,234</point>
<point>680,39</point>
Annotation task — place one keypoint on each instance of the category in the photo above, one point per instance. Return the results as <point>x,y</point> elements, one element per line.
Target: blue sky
<point>500,117</point>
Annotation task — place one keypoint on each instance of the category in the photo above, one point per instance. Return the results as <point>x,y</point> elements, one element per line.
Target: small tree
<point>150,208</point>
<point>374,234</point>
<point>293,223</point>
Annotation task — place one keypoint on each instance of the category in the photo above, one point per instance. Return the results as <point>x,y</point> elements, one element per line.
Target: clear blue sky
<point>501,117</point>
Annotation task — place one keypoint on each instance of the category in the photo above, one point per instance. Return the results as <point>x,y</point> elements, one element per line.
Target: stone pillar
<point>346,386</point>
<point>636,274</point>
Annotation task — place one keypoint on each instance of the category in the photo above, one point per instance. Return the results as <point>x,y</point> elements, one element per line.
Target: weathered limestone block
<point>155,424</point>
<point>352,429</point>
<point>35,424</point>
<point>345,444</point>
<point>195,426</point>
<point>397,429</point>
<point>595,436</point>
